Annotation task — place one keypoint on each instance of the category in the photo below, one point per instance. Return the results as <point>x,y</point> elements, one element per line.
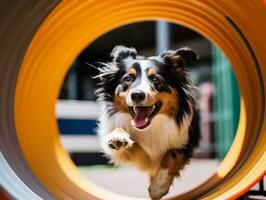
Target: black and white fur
<point>165,144</point>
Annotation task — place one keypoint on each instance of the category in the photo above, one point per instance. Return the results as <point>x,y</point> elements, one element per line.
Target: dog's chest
<point>162,135</point>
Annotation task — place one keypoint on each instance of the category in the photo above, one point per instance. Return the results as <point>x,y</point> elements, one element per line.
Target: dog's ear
<point>119,53</point>
<point>180,57</point>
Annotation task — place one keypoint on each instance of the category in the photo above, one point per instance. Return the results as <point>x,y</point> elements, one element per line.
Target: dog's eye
<point>156,80</point>
<point>127,79</point>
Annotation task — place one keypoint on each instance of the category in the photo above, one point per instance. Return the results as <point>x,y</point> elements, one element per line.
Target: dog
<point>148,113</point>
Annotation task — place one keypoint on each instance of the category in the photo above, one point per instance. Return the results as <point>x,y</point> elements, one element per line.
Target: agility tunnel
<point>39,41</point>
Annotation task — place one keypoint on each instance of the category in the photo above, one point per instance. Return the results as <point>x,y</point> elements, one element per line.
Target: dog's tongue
<point>141,116</point>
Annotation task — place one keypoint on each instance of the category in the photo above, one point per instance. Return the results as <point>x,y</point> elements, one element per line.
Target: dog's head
<point>146,87</point>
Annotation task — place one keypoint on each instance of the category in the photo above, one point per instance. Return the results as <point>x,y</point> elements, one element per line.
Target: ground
<point>129,181</point>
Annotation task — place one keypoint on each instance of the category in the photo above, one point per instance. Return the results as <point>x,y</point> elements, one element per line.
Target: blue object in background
<point>77,126</point>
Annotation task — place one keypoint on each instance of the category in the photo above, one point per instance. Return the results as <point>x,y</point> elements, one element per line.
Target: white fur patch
<point>162,135</point>
<point>144,84</point>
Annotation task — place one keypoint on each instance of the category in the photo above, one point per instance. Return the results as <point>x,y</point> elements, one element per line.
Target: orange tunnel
<point>40,41</point>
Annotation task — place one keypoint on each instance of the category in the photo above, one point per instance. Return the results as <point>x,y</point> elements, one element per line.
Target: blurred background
<point>218,98</point>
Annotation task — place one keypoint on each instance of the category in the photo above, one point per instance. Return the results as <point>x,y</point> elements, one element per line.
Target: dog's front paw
<point>160,185</point>
<point>119,139</point>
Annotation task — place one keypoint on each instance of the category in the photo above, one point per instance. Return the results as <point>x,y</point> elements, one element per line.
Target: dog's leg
<point>118,139</point>
<point>121,148</point>
<point>171,164</point>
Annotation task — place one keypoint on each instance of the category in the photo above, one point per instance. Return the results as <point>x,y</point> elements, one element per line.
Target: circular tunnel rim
<point>82,184</point>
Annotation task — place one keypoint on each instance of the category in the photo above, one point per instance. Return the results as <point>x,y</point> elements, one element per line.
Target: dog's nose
<point>137,96</point>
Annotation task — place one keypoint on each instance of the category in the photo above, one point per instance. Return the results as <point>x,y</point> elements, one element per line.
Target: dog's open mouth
<point>142,115</point>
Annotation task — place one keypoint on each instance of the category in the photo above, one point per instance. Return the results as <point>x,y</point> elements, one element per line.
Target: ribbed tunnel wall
<point>39,41</point>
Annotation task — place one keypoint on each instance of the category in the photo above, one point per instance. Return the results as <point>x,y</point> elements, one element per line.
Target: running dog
<point>148,112</point>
